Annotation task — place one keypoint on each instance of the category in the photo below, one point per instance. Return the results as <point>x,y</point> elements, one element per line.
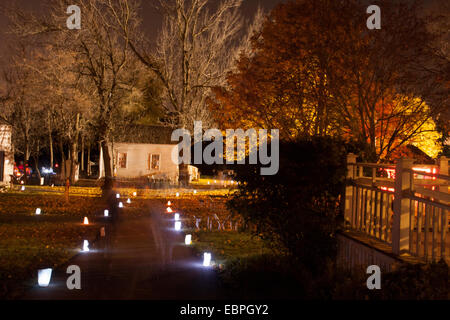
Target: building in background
<point>6,154</point>
<point>189,173</point>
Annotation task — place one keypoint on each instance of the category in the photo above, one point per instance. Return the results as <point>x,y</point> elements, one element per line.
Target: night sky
<point>151,18</point>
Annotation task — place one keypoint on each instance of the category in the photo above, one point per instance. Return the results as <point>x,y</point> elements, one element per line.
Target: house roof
<point>417,153</point>
<point>144,134</point>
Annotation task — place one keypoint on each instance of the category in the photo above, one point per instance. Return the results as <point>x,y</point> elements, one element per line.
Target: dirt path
<point>147,261</point>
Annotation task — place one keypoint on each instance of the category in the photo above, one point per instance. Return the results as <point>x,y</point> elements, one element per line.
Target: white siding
<point>6,145</point>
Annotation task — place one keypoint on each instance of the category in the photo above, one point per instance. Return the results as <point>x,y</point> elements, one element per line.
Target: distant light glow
<point>118,196</point>
<point>38,211</point>
<point>129,201</point>
<point>195,191</point>
<point>169,210</point>
<point>177,194</point>
<point>86,221</point>
<point>207,259</point>
<point>86,246</point>
<point>169,204</point>
<point>134,194</point>
<point>106,213</point>
<point>23,188</point>
<point>102,232</point>
<point>177,216</point>
<point>47,170</point>
<point>391,172</point>
<point>188,240</point>
<point>178,225</point>
<point>44,276</point>
<point>120,205</point>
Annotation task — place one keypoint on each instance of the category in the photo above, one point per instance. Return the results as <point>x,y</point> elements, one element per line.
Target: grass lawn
<point>29,242</point>
<point>248,267</point>
<point>227,246</point>
<point>146,193</point>
<point>211,182</point>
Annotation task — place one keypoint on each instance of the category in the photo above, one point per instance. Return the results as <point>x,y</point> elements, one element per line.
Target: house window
<point>122,160</point>
<point>154,162</point>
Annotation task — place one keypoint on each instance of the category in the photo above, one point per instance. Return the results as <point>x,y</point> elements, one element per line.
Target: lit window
<point>153,162</point>
<point>122,160</point>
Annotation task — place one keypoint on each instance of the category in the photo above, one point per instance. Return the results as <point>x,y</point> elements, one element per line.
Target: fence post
<point>442,162</point>
<point>351,159</point>
<point>400,226</point>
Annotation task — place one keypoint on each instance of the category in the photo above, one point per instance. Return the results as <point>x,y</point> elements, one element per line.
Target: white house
<point>143,151</point>
<point>6,155</point>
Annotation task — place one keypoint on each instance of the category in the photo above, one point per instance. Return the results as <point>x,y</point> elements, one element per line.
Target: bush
<point>416,282</point>
<point>297,209</point>
<point>272,276</point>
<point>265,276</point>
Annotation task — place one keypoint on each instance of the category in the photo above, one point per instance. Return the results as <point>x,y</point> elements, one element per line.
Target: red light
<point>390,173</point>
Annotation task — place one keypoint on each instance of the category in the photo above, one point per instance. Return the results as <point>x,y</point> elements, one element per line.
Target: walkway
<point>148,261</point>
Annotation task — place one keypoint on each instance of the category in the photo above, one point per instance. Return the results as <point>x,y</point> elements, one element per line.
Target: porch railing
<point>404,205</point>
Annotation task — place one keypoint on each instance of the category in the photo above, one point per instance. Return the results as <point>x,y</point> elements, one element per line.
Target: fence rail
<point>406,206</point>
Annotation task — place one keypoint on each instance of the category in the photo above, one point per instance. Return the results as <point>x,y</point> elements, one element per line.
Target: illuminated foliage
<point>315,70</point>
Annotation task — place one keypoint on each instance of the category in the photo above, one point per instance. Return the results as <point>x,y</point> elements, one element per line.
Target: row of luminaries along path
<point>207,218</point>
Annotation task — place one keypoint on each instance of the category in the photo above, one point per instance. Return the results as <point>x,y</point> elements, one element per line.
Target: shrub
<point>298,208</point>
<point>266,276</point>
<point>416,282</point>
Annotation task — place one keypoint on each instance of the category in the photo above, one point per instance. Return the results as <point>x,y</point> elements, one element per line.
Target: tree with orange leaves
<point>316,69</point>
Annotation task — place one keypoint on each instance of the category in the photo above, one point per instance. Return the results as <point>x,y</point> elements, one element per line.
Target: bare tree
<point>21,109</point>
<point>197,46</point>
<point>100,54</point>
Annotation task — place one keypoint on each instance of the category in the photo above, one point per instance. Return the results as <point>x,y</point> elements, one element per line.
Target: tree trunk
<point>36,166</point>
<point>89,160</point>
<point>74,151</point>
<point>27,159</point>
<point>108,186</point>
<point>106,159</point>
<point>63,161</point>
<point>50,141</point>
<point>82,153</point>
<point>72,163</point>
<point>36,162</point>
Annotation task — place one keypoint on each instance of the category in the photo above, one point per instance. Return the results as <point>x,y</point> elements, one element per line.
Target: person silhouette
<point>113,205</point>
